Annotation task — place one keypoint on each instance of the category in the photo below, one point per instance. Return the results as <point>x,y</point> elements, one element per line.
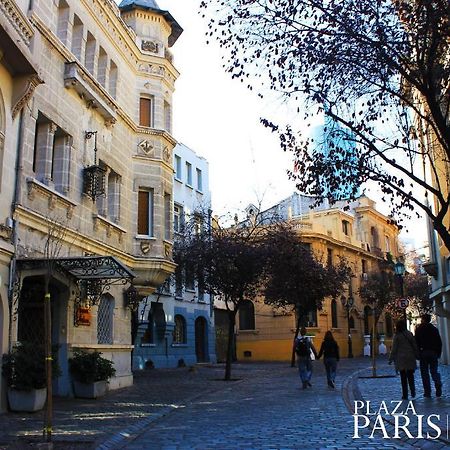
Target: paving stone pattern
<point>183,408</point>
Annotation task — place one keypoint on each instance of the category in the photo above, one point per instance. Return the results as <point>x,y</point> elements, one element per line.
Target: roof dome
<point>150,4</point>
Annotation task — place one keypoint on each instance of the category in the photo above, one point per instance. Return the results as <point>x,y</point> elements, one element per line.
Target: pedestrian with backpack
<point>330,351</point>
<point>303,349</point>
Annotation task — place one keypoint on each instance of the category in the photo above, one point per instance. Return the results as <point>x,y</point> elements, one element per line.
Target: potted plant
<point>90,373</point>
<point>24,371</point>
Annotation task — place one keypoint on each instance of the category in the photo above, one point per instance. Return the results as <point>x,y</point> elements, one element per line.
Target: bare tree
<point>231,261</point>
<point>380,72</point>
<point>296,278</point>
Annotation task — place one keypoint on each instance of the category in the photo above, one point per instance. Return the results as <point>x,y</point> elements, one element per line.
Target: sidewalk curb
<point>128,435</point>
<point>351,392</point>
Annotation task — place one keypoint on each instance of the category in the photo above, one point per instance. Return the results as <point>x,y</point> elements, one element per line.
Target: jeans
<point>304,368</point>
<point>407,377</point>
<point>330,367</point>
<point>429,364</point>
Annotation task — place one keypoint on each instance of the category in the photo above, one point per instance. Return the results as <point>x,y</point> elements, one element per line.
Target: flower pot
<point>89,390</point>
<point>27,401</point>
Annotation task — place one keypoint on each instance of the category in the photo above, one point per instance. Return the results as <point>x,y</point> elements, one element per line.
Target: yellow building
<point>360,234</point>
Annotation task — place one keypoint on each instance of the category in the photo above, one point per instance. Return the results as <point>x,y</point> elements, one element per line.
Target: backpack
<point>302,347</point>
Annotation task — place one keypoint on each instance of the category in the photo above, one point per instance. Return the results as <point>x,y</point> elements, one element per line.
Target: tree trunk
<point>297,330</point>
<point>231,323</point>
<point>48,360</point>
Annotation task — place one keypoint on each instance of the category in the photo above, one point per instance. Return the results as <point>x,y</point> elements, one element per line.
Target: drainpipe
<point>15,224</point>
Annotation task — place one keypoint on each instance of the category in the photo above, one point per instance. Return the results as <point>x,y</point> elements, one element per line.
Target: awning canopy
<point>83,267</point>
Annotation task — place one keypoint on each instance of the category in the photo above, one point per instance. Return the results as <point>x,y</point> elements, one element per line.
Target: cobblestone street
<point>263,408</point>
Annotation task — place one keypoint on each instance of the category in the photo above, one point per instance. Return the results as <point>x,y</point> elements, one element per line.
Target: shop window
<point>247,315</point>
<point>311,318</point>
<point>179,332</point>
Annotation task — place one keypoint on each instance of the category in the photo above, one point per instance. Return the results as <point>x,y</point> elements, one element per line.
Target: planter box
<point>90,390</point>
<point>27,401</point>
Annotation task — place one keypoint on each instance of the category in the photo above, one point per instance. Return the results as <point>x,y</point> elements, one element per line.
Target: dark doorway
<point>200,339</point>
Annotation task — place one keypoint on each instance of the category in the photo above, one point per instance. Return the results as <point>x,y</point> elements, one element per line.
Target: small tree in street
<point>232,262</point>
<point>296,279</point>
<point>377,69</point>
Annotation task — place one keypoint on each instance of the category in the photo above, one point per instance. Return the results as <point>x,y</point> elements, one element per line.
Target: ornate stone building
<point>364,237</point>
<point>93,205</point>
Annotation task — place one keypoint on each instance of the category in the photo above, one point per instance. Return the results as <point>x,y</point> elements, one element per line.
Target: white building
<point>176,323</point>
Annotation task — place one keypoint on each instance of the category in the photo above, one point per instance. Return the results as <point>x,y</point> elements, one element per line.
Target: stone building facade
<point>176,323</point>
<point>364,237</point>
<point>93,205</point>
<point>18,79</point>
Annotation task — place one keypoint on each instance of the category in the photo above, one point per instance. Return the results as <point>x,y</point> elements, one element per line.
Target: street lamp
<point>347,303</point>
<point>399,269</point>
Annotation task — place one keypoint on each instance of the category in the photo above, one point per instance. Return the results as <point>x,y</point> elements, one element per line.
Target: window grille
<point>105,318</point>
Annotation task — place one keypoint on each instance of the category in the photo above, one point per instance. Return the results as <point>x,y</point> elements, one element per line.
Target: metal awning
<point>83,267</point>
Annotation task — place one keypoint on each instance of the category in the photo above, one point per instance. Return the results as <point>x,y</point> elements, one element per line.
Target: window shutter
<point>143,212</point>
<point>145,112</point>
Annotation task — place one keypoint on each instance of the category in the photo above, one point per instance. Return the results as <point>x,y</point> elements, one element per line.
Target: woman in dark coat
<point>330,351</point>
<point>404,354</point>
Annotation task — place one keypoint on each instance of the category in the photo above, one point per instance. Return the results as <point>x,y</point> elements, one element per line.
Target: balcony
<point>77,78</point>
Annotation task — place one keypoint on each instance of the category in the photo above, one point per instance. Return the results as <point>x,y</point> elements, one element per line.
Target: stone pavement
<point>184,408</point>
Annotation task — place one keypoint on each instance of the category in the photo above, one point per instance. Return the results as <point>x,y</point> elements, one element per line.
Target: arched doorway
<point>201,328</point>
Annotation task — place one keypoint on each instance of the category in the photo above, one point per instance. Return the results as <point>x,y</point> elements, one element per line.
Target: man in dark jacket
<point>430,348</point>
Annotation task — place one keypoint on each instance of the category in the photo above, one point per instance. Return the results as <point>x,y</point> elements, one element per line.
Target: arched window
<point>334,318</point>
<point>63,21</point>
<point>351,322</point>
<point>388,322</point>
<point>247,316</point>
<point>105,319</point>
<point>149,334</point>
<point>346,227</point>
<point>179,332</point>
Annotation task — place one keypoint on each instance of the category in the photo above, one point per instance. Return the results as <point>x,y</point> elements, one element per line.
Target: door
<point>200,339</point>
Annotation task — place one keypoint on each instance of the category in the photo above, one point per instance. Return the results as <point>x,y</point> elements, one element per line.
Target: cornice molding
<point>17,19</point>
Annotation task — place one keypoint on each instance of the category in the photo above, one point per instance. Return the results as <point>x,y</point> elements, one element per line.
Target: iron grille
<point>105,317</point>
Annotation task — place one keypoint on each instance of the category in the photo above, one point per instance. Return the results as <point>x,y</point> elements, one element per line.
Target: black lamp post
<point>399,268</point>
<point>347,303</point>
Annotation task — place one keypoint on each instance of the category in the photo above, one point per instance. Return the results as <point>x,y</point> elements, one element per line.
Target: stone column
<point>44,152</point>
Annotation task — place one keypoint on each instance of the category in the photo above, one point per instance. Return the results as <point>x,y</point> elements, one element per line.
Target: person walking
<point>330,351</point>
<point>404,354</point>
<point>430,348</point>
<point>303,349</point>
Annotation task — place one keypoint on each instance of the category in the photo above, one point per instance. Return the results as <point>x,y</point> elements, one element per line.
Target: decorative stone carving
<point>166,154</point>
<point>27,93</point>
<point>149,46</point>
<point>51,202</point>
<point>5,233</point>
<point>168,251</point>
<point>146,246</point>
<point>147,68</point>
<point>17,19</point>
<point>146,146</point>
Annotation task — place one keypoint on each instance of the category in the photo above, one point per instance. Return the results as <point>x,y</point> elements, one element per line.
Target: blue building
<point>338,147</point>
